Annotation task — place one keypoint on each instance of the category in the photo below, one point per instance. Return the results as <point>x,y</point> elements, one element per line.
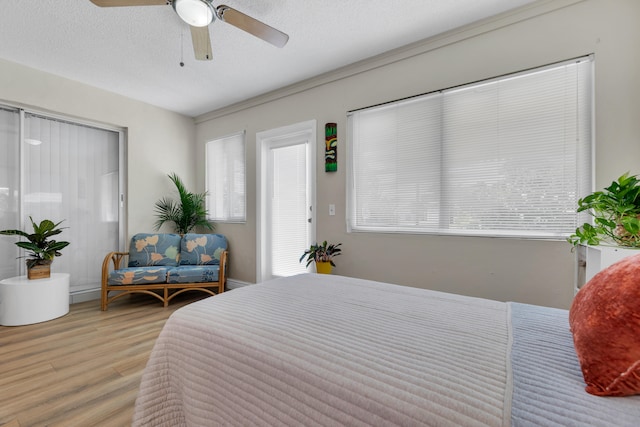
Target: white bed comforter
<point>329,350</point>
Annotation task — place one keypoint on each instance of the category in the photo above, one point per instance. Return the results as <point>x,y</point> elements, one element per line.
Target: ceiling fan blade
<point>201,43</point>
<point>117,3</point>
<point>251,26</point>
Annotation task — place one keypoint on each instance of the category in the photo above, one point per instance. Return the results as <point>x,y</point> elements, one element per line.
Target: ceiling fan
<point>199,14</point>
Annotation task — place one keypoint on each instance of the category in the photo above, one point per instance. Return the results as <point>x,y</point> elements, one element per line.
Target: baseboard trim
<point>82,296</point>
<point>234,284</point>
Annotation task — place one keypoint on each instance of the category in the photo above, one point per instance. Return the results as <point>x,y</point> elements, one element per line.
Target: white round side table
<point>24,301</point>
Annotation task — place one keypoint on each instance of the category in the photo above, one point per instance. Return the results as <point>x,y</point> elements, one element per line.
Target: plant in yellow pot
<point>322,255</point>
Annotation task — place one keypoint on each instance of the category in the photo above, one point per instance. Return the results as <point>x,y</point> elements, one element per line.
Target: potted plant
<point>616,213</point>
<point>42,249</point>
<point>322,255</point>
<point>186,213</point>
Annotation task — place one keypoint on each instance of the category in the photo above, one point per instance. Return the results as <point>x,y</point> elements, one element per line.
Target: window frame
<point>210,194</point>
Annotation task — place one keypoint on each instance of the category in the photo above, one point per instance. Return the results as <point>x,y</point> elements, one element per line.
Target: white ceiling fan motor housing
<point>197,13</point>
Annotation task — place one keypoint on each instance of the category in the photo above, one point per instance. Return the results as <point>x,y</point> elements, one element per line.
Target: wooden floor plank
<point>22,373</point>
<point>83,368</point>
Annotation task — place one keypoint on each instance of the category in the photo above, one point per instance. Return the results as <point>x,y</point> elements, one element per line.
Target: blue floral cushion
<point>202,249</point>
<point>194,274</point>
<point>138,275</point>
<point>154,249</point>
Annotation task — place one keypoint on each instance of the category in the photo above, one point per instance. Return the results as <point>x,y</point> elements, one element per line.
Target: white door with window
<point>286,198</point>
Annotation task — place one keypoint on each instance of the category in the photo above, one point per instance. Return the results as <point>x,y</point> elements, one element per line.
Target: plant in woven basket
<point>41,248</point>
<point>616,215</point>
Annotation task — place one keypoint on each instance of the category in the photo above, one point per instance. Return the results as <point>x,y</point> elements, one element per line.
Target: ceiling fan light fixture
<point>197,13</point>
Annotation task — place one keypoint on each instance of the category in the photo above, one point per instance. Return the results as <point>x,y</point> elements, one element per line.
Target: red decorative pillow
<point>605,322</point>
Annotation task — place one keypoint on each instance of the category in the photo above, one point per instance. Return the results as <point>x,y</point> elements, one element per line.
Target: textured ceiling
<point>136,51</point>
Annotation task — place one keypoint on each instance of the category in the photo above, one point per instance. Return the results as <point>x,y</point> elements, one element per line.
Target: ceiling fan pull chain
<point>182,47</point>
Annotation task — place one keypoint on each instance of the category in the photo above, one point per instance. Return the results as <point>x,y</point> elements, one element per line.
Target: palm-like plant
<point>187,213</point>
<point>41,249</point>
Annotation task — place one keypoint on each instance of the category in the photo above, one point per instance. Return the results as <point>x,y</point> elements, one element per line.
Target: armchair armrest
<point>222,274</point>
<point>116,259</point>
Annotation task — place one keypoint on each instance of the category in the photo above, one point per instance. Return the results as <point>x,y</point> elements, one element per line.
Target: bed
<point>324,350</point>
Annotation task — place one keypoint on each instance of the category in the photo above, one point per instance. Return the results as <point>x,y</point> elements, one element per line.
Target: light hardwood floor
<point>82,369</point>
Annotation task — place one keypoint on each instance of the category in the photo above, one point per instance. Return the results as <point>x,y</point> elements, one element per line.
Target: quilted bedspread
<point>320,350</point>
<point>329,350</point>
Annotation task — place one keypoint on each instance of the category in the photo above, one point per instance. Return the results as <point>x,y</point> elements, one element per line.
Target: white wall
<point>539,272</point>
<point>158,141</point>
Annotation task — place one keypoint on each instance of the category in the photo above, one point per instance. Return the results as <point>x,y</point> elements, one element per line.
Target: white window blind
<point>508,156</point>
<point>225,178</point>
<point>288,205</point>
<point>71,173</point>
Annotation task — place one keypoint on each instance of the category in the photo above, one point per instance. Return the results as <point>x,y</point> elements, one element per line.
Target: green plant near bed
<point>321,253</point>
<point>616,215</point>
<point>187,213</point>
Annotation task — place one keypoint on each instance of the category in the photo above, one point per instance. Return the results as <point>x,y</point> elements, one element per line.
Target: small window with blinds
<point>509,156</point>
<point>225,178</point>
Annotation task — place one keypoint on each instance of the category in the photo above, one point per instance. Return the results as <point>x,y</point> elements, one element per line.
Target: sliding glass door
<point>9,187</point>
<point>69,172</point>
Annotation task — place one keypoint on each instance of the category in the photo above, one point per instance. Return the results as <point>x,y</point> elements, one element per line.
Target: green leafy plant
<point>186,213</point>
<point>42,249</point>
<point>616,213</point>
<point>321,253</point>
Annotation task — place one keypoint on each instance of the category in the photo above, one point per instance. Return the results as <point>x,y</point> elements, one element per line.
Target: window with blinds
<point>509,156</point>
<point>225,178</point>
